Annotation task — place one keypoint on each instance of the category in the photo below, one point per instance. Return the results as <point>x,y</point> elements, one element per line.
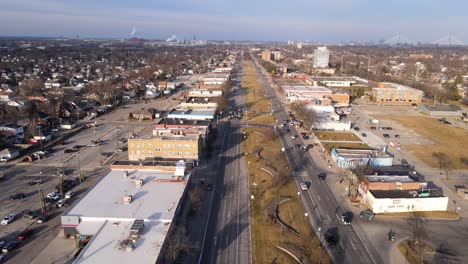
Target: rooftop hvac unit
<point>136,229</point>
<point>139,182</point>
<point>128,199</point>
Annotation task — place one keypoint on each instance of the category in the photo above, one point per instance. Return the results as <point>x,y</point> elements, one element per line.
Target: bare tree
<point>308,116</point>
<point>195,198</point>
<point>177,243</point>
<point>444,162</point>
<point>419,234</point>
<point>358,174</point>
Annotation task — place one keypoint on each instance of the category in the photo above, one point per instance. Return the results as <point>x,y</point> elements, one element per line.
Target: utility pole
<point>81,178</point>
<point>41,199</point>
<point>342,66</point>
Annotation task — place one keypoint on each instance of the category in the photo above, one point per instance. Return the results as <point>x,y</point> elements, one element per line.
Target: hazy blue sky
<point>313,20</point>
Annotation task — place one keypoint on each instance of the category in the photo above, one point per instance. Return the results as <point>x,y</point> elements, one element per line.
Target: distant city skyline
<point>259,20</point>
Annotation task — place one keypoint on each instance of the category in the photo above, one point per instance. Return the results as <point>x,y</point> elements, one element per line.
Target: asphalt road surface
<point>228,236</point>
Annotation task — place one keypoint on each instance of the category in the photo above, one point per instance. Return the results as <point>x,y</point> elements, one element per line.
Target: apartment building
<point>166,146</point>
<point>266,55</point>
<point>321,57</point>
<point>393,93</point>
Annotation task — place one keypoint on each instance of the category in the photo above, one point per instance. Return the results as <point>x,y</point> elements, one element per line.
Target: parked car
<point>79,146</point>
<point>364,134</point>
<point>304,186</point>
<point>41,219</point>
<point>61,203</point>
<point>386,135</point>
<point>122,149</point>
<point>373,128</point>
<point>404,163</point>
<point>69,194</point>
<point>209,186</point>
<point>293,136</point>
<point>8,219</point>
<point>397,136</point>
<point>17,196</point>
<point>367,214</point>
<point>24,234</point>
<point>9,246</point>
<point>55,195</point>
<point>35,182</point>
<point>2,243</point>
<point>356,128</point>
<point>70,150</point>
<point>3,159</point>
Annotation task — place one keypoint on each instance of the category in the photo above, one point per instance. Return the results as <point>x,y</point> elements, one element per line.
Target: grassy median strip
<point>267,185</point>
<point>255,99</point>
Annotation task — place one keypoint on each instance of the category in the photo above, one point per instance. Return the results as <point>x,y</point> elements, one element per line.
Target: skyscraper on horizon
<point>321,57</point>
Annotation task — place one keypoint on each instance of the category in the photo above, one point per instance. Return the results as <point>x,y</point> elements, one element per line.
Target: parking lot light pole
<point>79,168</point>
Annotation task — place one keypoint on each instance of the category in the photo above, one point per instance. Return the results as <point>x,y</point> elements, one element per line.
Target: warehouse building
<point>393,93</point>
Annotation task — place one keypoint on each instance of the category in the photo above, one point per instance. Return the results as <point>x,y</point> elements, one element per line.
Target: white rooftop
<point>105,217</point>
<point>306,88</point>
<point>152,201</point>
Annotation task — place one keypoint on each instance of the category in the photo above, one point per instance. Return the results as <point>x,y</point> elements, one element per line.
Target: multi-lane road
<point>321,205</point>
<point>228,238</point>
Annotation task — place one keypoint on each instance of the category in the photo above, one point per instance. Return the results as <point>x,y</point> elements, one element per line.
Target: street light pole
<point>79,168</point>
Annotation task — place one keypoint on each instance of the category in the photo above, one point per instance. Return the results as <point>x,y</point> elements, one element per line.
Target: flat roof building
<point>321,57</point>
<point>193,114</point>
<point>393,93</point>
<point>350,158</point>
<point>127,214</point>
<point>165,146</point>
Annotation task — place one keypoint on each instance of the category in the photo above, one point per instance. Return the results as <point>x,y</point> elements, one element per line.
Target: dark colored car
<point>28,214</point>
<point>373,128</point>
<point>404,163</point>
<point>209,186</point>
<point>25,234</point>
<point>331,238</point>
<point>322,175</point>
<point>43,218</point>
<point>70,150</point>
<point>79,146</point>
<point>386,135</point>
<point>17,196</point>
<point>356,128</point>
<point>364,134</point>
<point>9,246</point>
<point>397,136</point>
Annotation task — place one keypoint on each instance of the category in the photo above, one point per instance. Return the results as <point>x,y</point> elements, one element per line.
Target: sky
<point>258,20</point>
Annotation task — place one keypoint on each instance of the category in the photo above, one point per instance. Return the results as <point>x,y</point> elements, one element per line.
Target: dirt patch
<point>447,139</point>
<point>414,253</point>
<point>337,136</point>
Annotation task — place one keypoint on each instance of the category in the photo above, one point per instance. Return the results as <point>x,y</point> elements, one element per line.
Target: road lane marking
<point>318,197</point>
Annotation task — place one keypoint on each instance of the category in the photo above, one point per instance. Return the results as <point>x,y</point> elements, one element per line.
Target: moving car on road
<point>9,246</point>
<point>17,196</point>
<point>304,186</point>
<point>8,219</point>
<point>41,219</point>
<point>344,219</point>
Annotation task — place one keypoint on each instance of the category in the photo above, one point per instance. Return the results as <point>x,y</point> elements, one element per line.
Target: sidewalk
<point>59,250</point>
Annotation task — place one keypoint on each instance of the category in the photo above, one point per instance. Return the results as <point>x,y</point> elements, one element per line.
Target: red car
<point>25,234</point>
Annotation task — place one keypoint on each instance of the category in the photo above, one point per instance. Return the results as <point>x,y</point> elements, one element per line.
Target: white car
<point>3,159</point>
<point>344,220</point>
<point>53,196</point>
<point>8,219</point>
<point>304,186</point>
<point>69,194</point>
<point>61,203</point>
<point>294,136</point>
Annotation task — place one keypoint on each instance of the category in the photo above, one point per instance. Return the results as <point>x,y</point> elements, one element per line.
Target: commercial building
<point>350,158</point>
<point>125,217</point>
<point>199,103</point>
<point>214,80</point>
<point>391,182</point>
<point>192,114</point>
<point>166,146</point>
<point>393,93</point>
<point>334,81</point>
<point>397,201</point>
<point>205,93</point>
<point>321,57</point>
<point>306,93</point>
<point>177,126</point>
